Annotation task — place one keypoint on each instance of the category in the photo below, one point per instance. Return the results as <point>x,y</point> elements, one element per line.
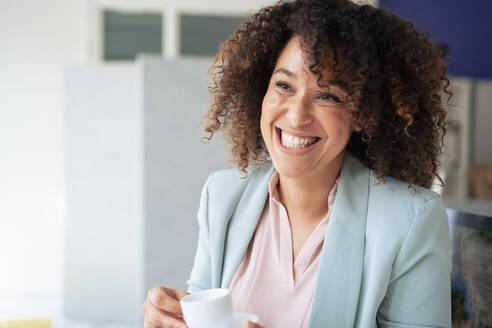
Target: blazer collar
<point>341,259</point>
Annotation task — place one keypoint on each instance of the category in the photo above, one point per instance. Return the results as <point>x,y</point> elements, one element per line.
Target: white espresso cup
<point>208,308</point>
<point>212,308</point>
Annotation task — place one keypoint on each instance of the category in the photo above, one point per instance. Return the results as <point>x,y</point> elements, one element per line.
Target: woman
<point>333,114</point>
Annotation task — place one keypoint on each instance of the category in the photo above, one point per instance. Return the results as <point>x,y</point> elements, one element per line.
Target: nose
<point>298,112</point>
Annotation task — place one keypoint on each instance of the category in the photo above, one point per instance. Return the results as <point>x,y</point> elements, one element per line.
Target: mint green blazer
<point>385,260</point>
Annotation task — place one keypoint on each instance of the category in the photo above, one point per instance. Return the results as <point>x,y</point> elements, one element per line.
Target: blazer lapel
<point>339,275</point>
<point>244,220</point>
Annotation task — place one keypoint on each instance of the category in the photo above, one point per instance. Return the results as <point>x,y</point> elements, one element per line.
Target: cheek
<point>338,125</point>
<point>265,120</point>
<point>269,110</point>
<point>270,101</point>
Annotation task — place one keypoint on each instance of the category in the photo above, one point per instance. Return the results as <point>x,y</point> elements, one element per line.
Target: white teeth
<point>295,142</point>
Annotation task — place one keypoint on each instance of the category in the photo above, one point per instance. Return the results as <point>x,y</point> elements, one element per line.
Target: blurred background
<point>101,159</point>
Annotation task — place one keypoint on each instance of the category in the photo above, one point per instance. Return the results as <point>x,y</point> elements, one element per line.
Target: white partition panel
<point>135,168</point>
<point>177,164</point>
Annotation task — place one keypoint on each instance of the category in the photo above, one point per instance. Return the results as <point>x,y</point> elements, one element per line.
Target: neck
<point>306,198</point>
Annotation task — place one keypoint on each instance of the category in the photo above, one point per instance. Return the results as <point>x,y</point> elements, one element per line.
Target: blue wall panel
<point>465,27</point>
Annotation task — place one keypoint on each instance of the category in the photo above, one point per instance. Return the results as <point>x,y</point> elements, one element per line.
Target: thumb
<point>251,324</point>
<point>178,293</point>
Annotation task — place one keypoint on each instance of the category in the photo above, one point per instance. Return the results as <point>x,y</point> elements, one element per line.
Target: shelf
<point>471,206</point>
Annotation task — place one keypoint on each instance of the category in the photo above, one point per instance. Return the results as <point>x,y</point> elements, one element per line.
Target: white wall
<point>37,40</point>
<point>104,192</point>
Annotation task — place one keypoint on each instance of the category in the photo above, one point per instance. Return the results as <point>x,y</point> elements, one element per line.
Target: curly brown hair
<point>395,74</point>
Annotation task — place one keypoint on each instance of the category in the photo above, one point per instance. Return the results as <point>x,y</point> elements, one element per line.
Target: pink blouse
<point>267,282</point>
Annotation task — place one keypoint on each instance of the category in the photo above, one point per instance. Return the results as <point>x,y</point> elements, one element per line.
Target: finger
<point>165,300</point>
<point>159,318</point>
<point>178,293</point>
<point>148,324</point>
<point>147,311</point>
<point>175,315</point>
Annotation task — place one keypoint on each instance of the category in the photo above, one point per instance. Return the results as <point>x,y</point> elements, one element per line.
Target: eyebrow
<point>334,83</point>
<point>285,71</point>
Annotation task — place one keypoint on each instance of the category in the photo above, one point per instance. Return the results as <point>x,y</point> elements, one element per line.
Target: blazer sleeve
<point>201,273</point>
<point>419,291</point>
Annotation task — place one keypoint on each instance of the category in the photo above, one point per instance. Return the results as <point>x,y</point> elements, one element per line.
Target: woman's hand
<point>251,324</point>
<point>162,308</point>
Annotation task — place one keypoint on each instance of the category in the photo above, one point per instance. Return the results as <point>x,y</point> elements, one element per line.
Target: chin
<point>289,169</point>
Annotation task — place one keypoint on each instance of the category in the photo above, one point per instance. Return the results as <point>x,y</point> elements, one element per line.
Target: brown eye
<point>282,85</point>
<point>329,96</point>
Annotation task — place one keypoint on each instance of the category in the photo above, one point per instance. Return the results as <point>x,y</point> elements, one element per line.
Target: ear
<point>358,128</point>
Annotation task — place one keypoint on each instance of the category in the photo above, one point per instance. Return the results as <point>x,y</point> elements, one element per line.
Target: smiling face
<point>305,127</point>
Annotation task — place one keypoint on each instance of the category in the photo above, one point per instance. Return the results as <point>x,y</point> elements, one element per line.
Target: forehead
<point>294,59</point>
